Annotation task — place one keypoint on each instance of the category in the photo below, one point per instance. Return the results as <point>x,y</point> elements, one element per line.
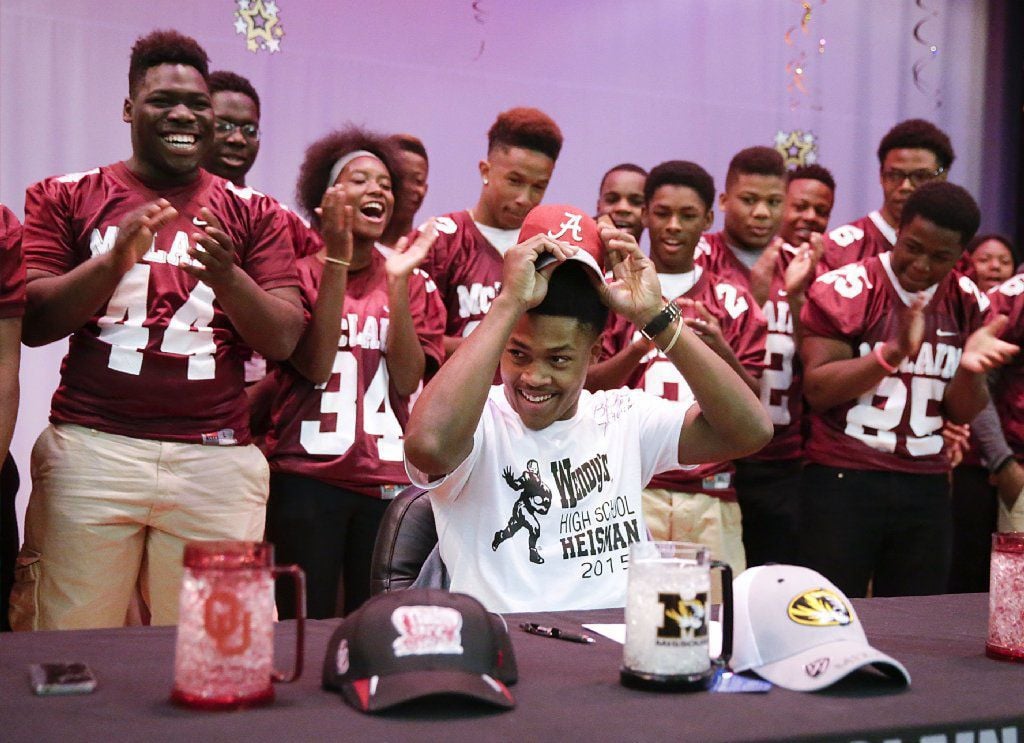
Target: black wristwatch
<point>661,321</point>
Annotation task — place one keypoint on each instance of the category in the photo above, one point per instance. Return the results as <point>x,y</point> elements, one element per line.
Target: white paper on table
<point>617,632</point>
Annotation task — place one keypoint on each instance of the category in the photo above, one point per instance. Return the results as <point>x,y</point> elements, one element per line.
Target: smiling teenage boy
<point>910,154</point>
<point>158,271</point>
<point>466,261</point>
<point>538,449</point>
<point>696,505</point>
<point>893,346</point>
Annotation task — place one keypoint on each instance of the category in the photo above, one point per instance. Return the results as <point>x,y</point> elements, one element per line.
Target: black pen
<point>559,634</point>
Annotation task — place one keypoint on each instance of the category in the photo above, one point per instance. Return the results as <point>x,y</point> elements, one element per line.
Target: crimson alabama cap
<point>569,225</point>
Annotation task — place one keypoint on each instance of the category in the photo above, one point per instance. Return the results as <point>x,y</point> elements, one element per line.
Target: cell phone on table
<point>61,678</point>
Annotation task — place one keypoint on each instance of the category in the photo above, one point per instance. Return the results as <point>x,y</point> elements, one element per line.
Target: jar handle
<point>299,578</point>
<point>726,654</point>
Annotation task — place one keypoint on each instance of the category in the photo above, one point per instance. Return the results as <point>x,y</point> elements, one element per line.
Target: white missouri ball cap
<point>797,630</point>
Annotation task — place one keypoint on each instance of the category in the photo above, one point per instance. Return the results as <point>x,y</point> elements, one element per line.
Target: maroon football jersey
<point>467,270</point>
<point>856,241</point>
<point>304,238</point>
<point>743,327</point>
<point>348,432</point>
<point>12,266</point>
<point>160,359</point>
<point>713,253</point>
<point>306,241</point>
<point>782,379</point>
<point>1008,299</point>
<point>898,424</point>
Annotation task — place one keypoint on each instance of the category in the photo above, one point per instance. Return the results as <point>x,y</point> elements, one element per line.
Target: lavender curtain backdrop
<point>640,80</point>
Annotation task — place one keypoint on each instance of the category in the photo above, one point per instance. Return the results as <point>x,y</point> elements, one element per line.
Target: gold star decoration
<point>797,147</point>
<point>259,22</point>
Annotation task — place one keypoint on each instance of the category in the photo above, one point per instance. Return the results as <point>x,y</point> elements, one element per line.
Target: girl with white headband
<point>342,400</point>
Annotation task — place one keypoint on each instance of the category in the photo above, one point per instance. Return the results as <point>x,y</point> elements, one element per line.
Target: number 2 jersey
<point>160,359</point>
<point>349,431</point>
<point>743,328</point>
<point>897,425</point>
<point>781,378</point>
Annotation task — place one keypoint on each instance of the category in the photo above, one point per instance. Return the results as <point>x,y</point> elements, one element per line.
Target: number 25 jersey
<point>897,425</point>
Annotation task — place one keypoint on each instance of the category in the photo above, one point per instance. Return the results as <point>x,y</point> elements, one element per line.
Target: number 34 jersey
<point>897,425</point>
<point>160,359</point>
<point>349,431</point>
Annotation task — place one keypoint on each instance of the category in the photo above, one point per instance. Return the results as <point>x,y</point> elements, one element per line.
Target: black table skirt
<point>566,691</point>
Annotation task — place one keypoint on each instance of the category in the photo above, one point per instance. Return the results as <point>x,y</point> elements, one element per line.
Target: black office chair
<point>406,537</point>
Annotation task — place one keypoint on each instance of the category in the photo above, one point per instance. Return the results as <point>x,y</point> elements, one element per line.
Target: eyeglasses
<point>895,177</point>
<point>249,131</point>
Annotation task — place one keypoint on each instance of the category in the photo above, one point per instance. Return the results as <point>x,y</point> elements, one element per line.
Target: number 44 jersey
<point>160,359</point>
<point>349,431</point>
<point>897,425</point>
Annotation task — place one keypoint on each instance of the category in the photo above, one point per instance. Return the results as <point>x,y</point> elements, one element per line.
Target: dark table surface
<point>566,691</point>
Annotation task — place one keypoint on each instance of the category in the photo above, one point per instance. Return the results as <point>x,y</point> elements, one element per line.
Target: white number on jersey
<point>188,333</point>
<point>1013,286</point>
<point>927,438</point>
<point>777,380</point>
<point>664,380</point>
<point>735,304</point>
<point>378,417</point>
<point>848,281</point>
<point>846,235</point>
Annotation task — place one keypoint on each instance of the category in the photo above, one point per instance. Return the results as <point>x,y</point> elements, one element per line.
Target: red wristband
<point>883,363</point>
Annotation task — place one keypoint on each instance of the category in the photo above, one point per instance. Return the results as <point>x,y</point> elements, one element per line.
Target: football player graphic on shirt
<point>536,499</point>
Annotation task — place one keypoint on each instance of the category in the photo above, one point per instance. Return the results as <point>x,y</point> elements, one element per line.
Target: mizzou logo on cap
<point>819,607</point>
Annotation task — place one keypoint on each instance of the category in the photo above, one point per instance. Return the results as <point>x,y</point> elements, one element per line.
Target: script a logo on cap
<point>427,630</point>
<point>571,224</point>
<point>819,607</point>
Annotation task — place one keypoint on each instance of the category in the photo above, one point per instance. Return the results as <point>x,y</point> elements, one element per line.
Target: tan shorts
<point>697,517</point>
<point>108,511</point>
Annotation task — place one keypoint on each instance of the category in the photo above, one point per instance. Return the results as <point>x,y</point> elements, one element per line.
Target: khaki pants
<point>700,518</point>
<point>108,511</point>
<point>1011,520</point>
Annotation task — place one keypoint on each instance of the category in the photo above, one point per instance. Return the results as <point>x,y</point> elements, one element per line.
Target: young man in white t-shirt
<point>536,483</point>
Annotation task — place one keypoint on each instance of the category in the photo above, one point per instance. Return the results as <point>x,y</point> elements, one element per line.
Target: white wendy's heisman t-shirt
<point>543,520</point>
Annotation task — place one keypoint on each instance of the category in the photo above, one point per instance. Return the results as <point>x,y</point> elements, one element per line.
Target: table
<point>566,691</point>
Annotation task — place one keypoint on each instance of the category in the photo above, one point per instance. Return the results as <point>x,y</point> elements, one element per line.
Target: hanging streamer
<point>797,66</point>
<point>931,50</point>
<point>479,15</point>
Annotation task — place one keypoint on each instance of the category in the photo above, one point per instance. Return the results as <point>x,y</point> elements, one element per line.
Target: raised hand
<point>910,327</point>
<point>336,224</point>
<point>135,232</point>
<point>406,257</point>
<point>984,350</point>
<point>763,269</point>
<point>634,290</point>
<point>707,327</point>
<point>214,250</point>
<point>800,270</point>
<point>956,440</point>
<point>521,279</point>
